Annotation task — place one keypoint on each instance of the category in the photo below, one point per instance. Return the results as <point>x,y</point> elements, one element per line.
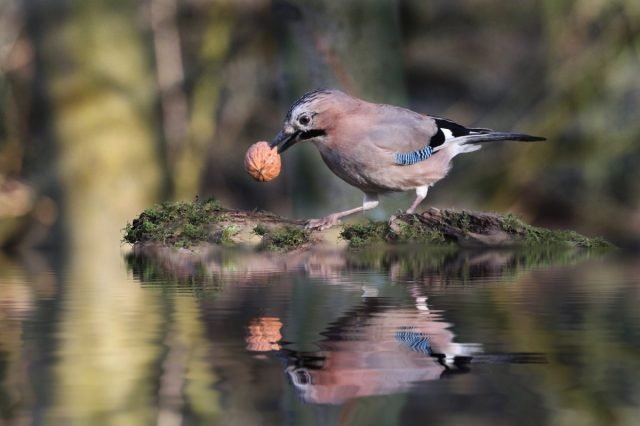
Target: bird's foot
<point>322,224</point>
<point>401,212</point>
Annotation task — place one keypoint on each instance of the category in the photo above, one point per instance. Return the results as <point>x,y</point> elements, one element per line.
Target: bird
<point>379,148</point>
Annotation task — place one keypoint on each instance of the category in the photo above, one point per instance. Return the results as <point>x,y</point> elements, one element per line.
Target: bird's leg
<point>370,201</point>
<point>421,194</point>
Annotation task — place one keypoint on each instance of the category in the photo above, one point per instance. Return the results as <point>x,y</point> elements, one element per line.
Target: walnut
<point>262,162</point>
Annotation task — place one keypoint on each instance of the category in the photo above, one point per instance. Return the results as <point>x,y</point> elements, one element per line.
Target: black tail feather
<point>476,135</point>
<point>500,136</point>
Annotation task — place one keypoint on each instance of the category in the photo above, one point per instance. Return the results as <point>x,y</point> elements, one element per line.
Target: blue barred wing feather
<point>447,129</point>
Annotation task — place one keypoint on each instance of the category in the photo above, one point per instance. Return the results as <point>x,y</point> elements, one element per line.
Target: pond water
<point>406,336</point>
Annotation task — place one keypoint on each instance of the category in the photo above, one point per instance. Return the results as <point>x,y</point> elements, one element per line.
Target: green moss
<point>415,231</point>
<point>361,234</point>
<point>511,223</point>
<point>534,236</point>
<point>225,234</point>
<point>175,223</point>
<point>193,232</point>
<point>451,227</point>
<point>282,238</point>
<point>412,230</point>
<point>461,220</point>
<point>261,230</point>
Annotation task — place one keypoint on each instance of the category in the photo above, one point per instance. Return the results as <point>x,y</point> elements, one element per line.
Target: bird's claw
<point>322,224</point>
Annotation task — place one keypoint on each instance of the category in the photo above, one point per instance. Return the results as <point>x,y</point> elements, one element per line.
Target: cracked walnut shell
<point>262,162</point>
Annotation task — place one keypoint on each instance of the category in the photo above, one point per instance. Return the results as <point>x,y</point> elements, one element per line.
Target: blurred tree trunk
<point>99,125</point>
<point>12,55</point>
<point>203,91</point>
<point>187,383</point>
<point>94,148</point>
<point>162,16</point>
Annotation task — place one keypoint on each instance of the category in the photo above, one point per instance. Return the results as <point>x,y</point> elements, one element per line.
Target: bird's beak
<point>284,140</point>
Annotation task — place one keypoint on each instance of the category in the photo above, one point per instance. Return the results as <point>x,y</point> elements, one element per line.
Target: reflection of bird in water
<point>415,340</point>
<point>372,351</point>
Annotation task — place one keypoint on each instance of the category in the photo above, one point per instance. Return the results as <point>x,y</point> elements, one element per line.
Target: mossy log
<point>189,225</point>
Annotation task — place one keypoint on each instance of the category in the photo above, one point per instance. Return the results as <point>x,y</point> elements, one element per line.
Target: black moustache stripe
<point>312,134</point>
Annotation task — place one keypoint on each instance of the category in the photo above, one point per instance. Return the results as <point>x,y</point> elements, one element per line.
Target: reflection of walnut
<point>262,162</point>
<point>264,334</point>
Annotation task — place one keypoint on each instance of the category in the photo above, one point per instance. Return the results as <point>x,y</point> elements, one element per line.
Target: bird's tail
<point>467,143</point>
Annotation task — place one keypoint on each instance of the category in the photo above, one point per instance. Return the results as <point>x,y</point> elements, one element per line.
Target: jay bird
<point>379,148</point>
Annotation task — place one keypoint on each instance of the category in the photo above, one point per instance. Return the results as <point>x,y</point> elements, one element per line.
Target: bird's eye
<point>304,119</point>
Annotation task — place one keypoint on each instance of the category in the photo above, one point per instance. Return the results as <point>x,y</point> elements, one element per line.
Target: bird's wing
<point>395,129</point>
<point>411,137</point>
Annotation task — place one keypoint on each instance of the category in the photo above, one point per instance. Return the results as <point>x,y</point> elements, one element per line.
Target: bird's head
<point>308,118</point>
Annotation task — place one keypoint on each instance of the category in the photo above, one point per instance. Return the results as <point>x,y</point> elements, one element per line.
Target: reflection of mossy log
<point>188,224</point>
<point>209,264</point>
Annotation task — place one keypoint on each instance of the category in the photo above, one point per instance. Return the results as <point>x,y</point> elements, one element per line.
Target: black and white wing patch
<point>447,129</point>
<point>417,341</point>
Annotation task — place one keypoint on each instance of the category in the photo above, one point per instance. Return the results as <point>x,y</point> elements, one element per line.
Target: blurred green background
<point>109,106</point>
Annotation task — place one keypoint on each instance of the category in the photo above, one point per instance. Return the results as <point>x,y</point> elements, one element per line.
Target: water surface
<point>407,336</point>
